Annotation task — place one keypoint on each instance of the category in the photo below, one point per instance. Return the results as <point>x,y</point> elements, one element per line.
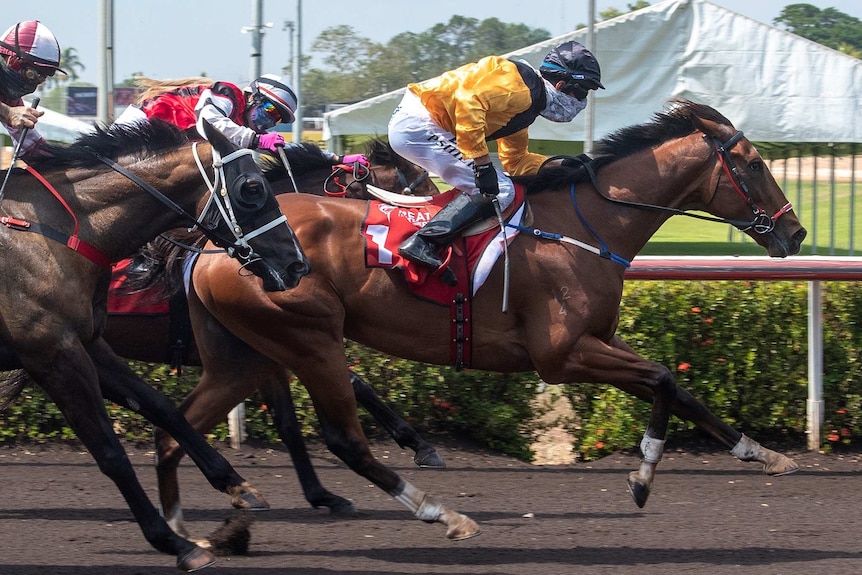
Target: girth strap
<point>461,314</point>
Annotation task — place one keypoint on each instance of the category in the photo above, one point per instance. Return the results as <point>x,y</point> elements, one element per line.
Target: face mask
<point>12,85</point>
<point>561,107</point>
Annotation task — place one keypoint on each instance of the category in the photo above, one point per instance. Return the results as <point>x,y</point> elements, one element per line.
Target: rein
<point>357,170</point>
<point>72,242</point>
<point>762,223</point>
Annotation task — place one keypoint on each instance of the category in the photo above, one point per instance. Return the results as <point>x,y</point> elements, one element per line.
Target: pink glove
<point>269,141</point>
<point>353,158</point>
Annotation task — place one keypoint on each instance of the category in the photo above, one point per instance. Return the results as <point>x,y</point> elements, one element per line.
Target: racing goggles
<point>264,116</point>
<point>30,73</point>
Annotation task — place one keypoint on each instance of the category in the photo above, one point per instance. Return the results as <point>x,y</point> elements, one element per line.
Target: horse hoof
<point>196,559</point>
<point>343,508</point>
<point>247,497</point>
<point>464,528</point>
<point>429,458</point>
<point>778,465</point>
<point>637,489</point>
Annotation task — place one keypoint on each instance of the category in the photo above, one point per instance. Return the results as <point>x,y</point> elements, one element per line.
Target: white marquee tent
<point>776,86</point>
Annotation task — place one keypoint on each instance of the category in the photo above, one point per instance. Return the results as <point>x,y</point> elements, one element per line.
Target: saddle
<point>394,217</point>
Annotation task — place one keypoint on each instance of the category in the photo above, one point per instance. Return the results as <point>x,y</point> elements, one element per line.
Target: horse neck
<point>665,177</point>
<point>120,217</point>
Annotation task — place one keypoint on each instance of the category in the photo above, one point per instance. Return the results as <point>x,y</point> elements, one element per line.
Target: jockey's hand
<point>485,177</point>
<point>269,141</point>
<point>353,158</point>
<point>23,116</point>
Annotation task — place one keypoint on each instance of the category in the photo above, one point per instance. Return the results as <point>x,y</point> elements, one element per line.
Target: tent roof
<point>774,85</point>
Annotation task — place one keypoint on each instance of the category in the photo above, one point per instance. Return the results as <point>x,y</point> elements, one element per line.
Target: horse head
<point>262,239</point>
<point>394,173</point>
<point>741,188</point>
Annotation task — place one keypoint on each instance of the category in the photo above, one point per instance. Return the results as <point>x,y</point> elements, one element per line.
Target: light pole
<point>257,30</point>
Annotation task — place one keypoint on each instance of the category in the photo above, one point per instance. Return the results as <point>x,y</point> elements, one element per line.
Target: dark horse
<point>107,198</point>
<point>151,337</point>
<point>564,297</point>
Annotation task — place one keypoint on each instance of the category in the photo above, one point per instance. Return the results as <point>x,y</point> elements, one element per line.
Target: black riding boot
<point>455,217</point>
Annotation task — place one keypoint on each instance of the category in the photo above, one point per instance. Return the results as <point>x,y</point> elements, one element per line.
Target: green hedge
<point>740,347</point>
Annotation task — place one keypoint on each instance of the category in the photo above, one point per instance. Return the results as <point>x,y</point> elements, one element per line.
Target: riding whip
<point>496,203</point>
<point>17,150</point>
<point>287,167</point>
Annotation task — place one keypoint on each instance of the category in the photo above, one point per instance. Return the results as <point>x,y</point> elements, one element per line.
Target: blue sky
<point>177,38</point>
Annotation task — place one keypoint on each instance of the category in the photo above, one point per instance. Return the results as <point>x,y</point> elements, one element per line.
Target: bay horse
<point>110,192</point>
<point>564,292</point>
<point>225,378</point>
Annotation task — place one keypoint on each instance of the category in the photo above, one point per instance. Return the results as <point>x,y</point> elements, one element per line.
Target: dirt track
<point>708,514</point>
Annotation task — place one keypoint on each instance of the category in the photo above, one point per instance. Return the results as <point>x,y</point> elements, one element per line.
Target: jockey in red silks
<point>242,115</point>
<point>29,55</point>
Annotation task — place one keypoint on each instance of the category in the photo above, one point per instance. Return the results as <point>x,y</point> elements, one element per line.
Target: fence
<point>812,269</point>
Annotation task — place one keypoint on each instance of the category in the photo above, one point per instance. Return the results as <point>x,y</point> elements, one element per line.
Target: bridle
<point>762,222</point>
<point>360,173</point>
<point>239,247</point>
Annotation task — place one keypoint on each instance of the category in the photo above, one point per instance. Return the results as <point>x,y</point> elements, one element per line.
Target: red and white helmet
<point>276,90</point>
<point>33,44</point>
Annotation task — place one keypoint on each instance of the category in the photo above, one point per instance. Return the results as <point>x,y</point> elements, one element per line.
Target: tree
<point>829,26</point>
<point>357,68</point>
<point>68,61</point>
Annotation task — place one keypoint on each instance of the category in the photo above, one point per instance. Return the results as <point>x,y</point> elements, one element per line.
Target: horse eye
<point>756,166</point>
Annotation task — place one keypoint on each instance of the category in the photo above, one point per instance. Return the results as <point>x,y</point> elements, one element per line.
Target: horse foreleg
<point>401,431</point>
<point>686,407</point>
<point>84,410</point>
<point>122,386</point>
<point>619,366</point>
<point>276,394</point>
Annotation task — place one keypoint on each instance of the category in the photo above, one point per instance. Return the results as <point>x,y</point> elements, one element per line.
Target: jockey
<point>243,116</point>
<point>443,125</point>
<point>29,54</point>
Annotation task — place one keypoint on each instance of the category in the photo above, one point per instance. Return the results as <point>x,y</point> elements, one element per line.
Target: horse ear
<point>218,140</point>
<point>708,127</point>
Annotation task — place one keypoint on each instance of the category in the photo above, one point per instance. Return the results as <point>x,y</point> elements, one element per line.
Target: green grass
<point>830,236</point>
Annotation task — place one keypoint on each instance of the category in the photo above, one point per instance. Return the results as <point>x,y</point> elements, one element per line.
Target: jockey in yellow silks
<point>443,125</point>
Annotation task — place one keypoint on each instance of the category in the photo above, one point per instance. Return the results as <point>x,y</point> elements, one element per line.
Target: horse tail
<point>153,87</point>
<point>11,386</point>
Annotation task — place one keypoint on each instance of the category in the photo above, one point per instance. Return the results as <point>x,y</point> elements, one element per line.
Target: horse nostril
<point>300,269</point>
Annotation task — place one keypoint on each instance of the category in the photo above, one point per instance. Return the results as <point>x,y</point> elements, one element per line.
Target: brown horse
<point>151,337</point>
<point>98,201</point>
<point>564,292</point>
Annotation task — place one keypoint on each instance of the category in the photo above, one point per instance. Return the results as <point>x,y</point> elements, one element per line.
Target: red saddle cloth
<point>148,302</point>
<point>386,226</point>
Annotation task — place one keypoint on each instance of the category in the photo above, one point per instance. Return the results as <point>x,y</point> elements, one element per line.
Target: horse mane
<point>676,122</point>
<point>380,153</point>
<point>142,139</point>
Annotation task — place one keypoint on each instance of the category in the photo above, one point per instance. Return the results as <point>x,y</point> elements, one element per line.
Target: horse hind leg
<point>687,407</point>
<point>425,454</point>
<point>774,463</point>
<point>276,394</point>
<point>328,382</point>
